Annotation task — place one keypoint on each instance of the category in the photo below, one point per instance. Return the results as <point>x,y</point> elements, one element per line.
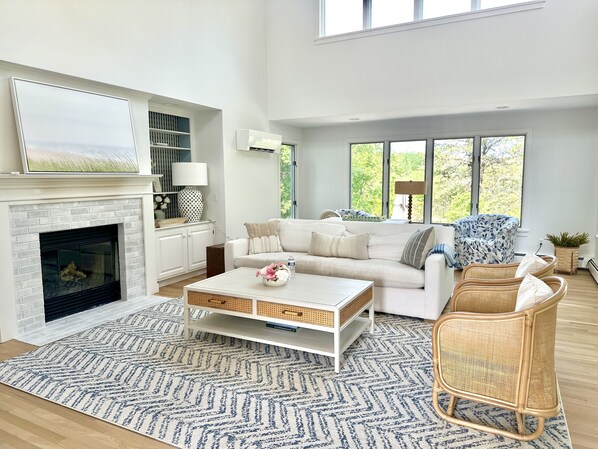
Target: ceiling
<point>542,104</point>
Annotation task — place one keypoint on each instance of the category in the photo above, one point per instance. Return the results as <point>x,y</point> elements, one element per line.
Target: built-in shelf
<point>169,148</point>
<point>173,132</point>
<point>170,131</point>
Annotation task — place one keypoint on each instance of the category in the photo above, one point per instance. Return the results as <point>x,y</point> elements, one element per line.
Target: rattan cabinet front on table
<point>326,311</point>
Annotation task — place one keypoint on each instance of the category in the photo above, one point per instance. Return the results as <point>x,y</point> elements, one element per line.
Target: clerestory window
<point>338,17</point>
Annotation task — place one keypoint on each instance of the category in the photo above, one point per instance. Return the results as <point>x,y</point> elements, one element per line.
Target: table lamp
<point>191,175</point>
<point>410,188</point>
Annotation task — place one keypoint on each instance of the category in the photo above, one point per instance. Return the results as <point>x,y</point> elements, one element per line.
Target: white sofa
<point>398,288</point>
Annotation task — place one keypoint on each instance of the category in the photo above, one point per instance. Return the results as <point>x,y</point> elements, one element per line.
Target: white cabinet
<point>182,249</point>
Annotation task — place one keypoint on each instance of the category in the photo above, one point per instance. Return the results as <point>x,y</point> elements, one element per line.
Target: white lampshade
<point>189,174</point>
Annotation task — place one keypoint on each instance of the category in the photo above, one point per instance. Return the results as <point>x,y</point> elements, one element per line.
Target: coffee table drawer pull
<point>217,301</point>
<point>292,313</point>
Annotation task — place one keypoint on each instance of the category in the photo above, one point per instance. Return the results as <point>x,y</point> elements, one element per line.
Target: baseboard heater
<point>593,268</point>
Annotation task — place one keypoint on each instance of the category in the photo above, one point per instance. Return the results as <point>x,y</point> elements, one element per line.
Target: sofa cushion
<point>530,264</point>
<point>353,246</point>
<point>417,248</point>
<point>263,237</point>
<point>532,291</point>
<point>389,247</point>
<point>384,273</point>
<point>297,236</point>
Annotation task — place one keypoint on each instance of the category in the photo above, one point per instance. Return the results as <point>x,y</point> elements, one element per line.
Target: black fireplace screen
<point>80,269</point>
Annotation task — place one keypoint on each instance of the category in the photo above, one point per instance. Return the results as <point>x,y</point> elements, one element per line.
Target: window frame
<point>477,137</point>
<point>526,137</point>
<point>384,143</point>
<point>418,22</point>
<point>293,181</point>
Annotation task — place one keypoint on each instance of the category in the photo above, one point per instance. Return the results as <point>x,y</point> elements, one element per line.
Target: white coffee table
<point>326,310</point>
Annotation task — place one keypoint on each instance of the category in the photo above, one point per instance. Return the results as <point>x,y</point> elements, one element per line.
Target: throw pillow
<point>417,248</point>
<point>263,237</point>
<point>529,264</point>
<point>532,291</point>
<point>352,246</point>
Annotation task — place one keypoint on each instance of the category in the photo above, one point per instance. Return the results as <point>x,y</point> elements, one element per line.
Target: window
<point>452,176</point>
<point>407,163</point>
<point>390,12</point>
<point>288,166</point>
<point>468,175</point>
<point>342,16</point>
<point>346,16</point>
<point>366,177</point>
<point>439,8</point>
<point>501,175</point>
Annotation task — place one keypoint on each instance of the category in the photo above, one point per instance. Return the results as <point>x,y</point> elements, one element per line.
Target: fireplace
<point>80,269</point>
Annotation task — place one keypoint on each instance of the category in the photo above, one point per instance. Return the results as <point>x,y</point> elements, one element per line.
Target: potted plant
<point>566,249</point>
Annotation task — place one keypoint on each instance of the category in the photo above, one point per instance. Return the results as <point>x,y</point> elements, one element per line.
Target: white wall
<point>560,181</point>
<point>208,52</point>
<point>531,55</point>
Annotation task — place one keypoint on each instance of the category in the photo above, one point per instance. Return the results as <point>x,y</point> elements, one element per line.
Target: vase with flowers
<point>160,205</point>
<point>274,275</point>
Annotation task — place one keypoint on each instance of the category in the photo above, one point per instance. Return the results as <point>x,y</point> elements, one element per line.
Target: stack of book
<point>280,326</point>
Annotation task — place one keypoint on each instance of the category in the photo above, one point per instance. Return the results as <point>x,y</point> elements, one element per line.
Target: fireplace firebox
<point>80,269</point>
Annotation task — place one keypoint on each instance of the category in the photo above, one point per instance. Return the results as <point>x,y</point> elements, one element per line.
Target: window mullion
<point>367,14</point>
<point>429,177</point>
<point>418,9</point>
<point>475,175</point>
<point>386,179</point>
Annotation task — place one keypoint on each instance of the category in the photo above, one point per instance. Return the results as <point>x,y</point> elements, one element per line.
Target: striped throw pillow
<point>417,248</point>
<point>263,237</point>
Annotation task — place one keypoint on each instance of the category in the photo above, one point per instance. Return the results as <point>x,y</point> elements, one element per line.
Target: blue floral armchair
<point>485,238</point>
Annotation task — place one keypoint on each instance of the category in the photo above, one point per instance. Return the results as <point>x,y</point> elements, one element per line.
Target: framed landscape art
<point>64,130</point>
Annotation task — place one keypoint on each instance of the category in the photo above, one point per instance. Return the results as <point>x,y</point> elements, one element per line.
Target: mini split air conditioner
<point>251,140</point>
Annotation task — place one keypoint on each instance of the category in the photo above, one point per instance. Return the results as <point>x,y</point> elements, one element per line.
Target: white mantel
<point>20,187</point>
<point>49,190</point>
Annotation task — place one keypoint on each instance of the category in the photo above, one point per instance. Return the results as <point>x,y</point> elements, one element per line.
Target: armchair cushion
<point>532,291</point>
<point>529,264</point>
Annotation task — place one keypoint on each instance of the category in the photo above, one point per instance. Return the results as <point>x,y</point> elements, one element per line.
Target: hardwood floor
<point>29,422</point>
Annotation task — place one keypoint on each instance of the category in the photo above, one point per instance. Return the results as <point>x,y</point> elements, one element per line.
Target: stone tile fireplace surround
<point>33,204</point>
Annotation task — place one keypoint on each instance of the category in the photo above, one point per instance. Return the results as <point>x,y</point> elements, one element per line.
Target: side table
<point>215,259</point>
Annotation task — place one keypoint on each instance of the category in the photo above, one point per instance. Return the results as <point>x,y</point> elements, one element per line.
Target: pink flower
<point>274,271</point>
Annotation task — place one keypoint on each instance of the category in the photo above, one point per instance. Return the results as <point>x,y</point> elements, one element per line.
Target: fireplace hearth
<point>80,269</point>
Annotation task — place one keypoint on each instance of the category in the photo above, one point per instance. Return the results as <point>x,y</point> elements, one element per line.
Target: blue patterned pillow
<point>417,248</point>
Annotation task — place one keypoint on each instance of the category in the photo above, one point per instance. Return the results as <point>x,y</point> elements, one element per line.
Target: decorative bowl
<point>274,283</point>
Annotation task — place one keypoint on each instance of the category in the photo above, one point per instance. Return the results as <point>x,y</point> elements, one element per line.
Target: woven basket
<point>566,259</point>
<point>170,222</point>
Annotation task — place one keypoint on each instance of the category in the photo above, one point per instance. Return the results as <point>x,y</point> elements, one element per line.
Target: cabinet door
<point>200,236</point>
<point>171,251</point>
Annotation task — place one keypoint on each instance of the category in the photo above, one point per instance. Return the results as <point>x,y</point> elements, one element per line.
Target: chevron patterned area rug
<point>214,392</point>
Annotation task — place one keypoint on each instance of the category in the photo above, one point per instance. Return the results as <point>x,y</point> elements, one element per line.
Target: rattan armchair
<point>505,272</point>
<point>484,351</point>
